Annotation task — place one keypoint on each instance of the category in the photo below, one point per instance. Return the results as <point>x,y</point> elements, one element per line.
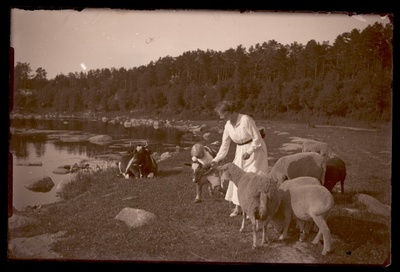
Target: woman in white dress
<point>251,151</point>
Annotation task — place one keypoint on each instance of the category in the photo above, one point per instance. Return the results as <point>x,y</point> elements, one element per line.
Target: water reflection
<point>155,137</point>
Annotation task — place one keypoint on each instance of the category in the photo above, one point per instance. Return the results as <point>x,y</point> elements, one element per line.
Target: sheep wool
<point>258,196</point>
<point>309,202</point>
<point>291,183</point>
<point>316,146</point>
<point>309,164</point>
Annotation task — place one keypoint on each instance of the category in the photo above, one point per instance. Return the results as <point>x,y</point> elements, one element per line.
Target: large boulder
<point>135,217</point>
<point>43,184</point>
<point>372,204</point>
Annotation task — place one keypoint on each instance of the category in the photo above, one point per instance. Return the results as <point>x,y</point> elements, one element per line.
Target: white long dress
<point>244,130</point>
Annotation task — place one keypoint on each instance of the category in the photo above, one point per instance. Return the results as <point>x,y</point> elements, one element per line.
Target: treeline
<point>351,78</point>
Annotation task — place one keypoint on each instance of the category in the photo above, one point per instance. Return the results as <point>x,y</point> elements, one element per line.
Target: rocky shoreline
<point>123,120</point>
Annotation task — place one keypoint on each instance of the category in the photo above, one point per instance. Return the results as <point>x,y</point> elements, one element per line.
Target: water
<point>45,147</point>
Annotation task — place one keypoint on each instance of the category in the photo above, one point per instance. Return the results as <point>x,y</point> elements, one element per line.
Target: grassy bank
<point>204,232</point>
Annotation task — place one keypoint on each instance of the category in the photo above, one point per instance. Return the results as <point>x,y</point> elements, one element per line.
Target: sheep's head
<point>273,198</point>
<point>224,172</point>
<point>260,212</point>
<point>269,202</point>
<point>197,173</point>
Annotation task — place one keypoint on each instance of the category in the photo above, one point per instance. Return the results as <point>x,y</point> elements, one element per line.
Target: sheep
<point>202,156</point>
<point>335,172</point>
<point>320,147</point>
<point>309,164</point>
<point>308,202</point>
<point>290,183</point>
<point>204,176</point>
<point>258,197</point>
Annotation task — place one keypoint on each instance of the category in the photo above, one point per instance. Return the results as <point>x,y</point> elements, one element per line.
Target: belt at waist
<point>247,142</point>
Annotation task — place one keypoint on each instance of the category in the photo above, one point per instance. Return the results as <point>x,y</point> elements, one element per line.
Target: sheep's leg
<point>221,190</point>
<point>313,226</point>
<point>322,177</point>
<point>342,186</point>
<point>310,225</point>
<point>243,221</point>
<point>264,232</point>
<point>301,224</point>
<point>288,218</point>
<point>210,189</point>
<point>324,232</point>
<point>253,228</point>
<point>198,193</point>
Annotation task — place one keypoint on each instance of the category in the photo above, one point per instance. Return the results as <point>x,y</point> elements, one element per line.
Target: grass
<point>185,232</point>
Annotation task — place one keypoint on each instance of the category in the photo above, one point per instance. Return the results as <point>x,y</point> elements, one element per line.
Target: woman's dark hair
<point>225,106</point>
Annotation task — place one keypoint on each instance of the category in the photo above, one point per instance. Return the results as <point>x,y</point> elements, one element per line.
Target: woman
<point>251,152</point>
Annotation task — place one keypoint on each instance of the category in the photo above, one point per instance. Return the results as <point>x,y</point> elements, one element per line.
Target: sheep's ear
<point>187,164</point>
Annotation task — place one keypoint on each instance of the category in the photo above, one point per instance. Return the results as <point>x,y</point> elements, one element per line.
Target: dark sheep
<point>335,172</point>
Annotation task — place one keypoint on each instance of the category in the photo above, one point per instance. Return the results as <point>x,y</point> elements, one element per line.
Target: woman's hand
<point>210,165</point>
<point>245,156</point>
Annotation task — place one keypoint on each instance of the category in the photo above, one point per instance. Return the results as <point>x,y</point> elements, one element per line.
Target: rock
<point>165,156</point>
<point>100,139</point>
<point>62,170</point>
<point>206,135</point>
<point>135,217</point>
<point>18,221</point>
<point>61,185</point>
<point>36,247</point>
<point>73,138</point>
<point>43,184</point>
<point>372,204</point>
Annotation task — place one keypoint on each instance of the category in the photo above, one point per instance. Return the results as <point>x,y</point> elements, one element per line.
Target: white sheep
<point>308,202</point>
<point>290,183</point>
<point>202,156</point>
<point>320,147</point>
<point>257,194</point>
<point>306,164</point>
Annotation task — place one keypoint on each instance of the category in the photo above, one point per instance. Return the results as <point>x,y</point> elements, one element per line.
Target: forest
<point>352,78</point>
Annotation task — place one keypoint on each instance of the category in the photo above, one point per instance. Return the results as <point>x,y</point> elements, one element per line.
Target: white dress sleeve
<point>223,150</point>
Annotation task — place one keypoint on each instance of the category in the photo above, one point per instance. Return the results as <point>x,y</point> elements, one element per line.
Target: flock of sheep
<point>298,188</point>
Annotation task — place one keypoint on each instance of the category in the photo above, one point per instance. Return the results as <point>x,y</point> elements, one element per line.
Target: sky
<point>64,41</point>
